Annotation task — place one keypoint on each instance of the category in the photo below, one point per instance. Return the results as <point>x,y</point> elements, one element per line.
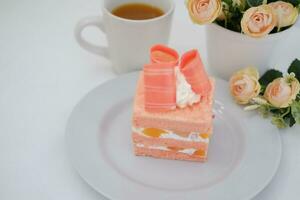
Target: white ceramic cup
<point>230,51</point>
<point>128,41</point>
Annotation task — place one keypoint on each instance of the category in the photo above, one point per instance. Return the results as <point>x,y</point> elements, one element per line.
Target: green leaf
<point>253,3</point>
<point>290,119</point>
<point>262,89</point>
<point>279,122</point>
<point>228,2</point>
<point>294,2</point>
<point>295,67</point>
<point>264,111</point>
<point>279,111</point>
<point>296,111</point>
<point>268,77</point>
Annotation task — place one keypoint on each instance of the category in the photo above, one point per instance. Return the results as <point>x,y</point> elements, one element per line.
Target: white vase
<point>228,51</point>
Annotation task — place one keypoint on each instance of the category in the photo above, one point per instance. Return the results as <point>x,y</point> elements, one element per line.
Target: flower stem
<point>286,112</point>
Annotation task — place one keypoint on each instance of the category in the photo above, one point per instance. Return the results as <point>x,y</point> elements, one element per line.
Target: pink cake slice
<point>181,134</point>
<point>197,118</point>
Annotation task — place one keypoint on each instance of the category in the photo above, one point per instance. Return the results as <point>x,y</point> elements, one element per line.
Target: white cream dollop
<point>153,147</point>
<point>187,151</point>
<point>163,148</point>
<point>185,96</point>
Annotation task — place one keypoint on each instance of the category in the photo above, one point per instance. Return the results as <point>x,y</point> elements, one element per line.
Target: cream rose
<point>204,11</point>
<point>258,21</point>
<point>285,12</point>
<point>281,92</point>
<point>244,85</point>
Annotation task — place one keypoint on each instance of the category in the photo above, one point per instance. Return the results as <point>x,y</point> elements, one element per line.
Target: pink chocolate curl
<point>192,68</point>
<point>163,54</point>
<point>160,87</point>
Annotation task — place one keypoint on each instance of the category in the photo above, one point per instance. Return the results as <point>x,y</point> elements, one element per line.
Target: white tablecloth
<point>44,73</point>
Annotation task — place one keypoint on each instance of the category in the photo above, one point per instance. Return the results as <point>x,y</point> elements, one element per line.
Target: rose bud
<point>258,21</point>
<point>244,85</point>
<point>285,12</point>
<point>281,92</point>
<point>204,11</point>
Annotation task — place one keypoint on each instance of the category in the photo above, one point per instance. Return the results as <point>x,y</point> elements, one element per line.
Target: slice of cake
<point>172,115</point>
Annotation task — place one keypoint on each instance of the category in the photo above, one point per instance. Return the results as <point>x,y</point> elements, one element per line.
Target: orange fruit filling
<point>153,132</point>
<point>175,148</point>
<point>200,153</point>
<point>204,135</point>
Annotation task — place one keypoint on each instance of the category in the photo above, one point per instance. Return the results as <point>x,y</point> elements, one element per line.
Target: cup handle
<point>81,25</point>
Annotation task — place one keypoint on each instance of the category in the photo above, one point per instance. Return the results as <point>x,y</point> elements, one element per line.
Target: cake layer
<point>199,155</point>
<point>165,133</point>
<point>157,137</point>
<point>196,118</point>
<point>140,139</point>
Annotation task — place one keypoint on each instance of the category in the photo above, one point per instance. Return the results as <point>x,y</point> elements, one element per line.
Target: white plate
<point>244,152</point>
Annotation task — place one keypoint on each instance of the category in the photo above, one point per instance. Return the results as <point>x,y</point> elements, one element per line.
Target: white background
<point>44,73</point>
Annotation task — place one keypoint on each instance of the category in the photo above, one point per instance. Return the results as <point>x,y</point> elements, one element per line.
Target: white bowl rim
<point>273,36</point>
